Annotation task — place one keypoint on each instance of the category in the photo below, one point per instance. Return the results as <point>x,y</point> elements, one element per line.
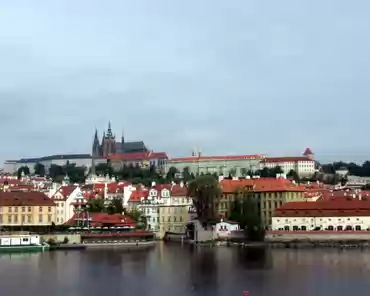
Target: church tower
<point>96,145</point>
<point>108,142</point>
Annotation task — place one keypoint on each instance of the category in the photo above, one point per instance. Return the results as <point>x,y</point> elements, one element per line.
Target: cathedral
<point>109,146</point>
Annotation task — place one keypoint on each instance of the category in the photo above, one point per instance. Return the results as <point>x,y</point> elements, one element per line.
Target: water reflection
<point>187,271</point>
<point>203,271</point>
<point>254,258</point>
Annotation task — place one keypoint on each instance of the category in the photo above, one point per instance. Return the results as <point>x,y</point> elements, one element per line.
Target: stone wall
<point>317,235</point>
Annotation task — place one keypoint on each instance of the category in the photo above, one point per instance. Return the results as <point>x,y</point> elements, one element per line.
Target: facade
<point>269,194</point>
<point>165,207</point>
<point>175,213</point>
<point>26,209</point>
<point>47,161</point>
<point>65,198</point>
<point>304,166</point>
<point>333,215</point>
<point>109,146</point>
<point>221,165</point>
<point>140,159</point>
<point>224,229</point>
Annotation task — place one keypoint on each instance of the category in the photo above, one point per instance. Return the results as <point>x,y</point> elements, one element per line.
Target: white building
<point>335,215</point>
<point>65,197</point>
<point>221,165</point>
<point>303,166</point>
<point>224,229</point>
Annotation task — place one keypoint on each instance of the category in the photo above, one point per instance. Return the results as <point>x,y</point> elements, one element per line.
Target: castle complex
<point>109,146</point>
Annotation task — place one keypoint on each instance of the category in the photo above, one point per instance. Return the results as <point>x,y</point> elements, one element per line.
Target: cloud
<point>240,76</point>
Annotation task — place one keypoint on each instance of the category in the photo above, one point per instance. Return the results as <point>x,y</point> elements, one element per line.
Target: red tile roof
<point>102,219</point>
<point>179,191</point>
<point>138,195</point>
<point>307,152</point>
<point>261,185</point>
<point>139,156</point>
<point>216,158</point>
<point>330,208</point>
<point>286,159</point>
<point>32,198</point>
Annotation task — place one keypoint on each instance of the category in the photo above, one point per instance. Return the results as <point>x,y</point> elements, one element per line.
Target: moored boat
<point>22,243</point>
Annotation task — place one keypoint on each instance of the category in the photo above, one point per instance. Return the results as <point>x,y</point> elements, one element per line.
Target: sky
<point>225,77</point>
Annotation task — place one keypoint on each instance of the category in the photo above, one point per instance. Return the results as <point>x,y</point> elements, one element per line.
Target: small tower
<point>66,180</point>
<point>309,154</point>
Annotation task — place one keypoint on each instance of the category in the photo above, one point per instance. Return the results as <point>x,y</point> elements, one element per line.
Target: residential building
<point>26,209</point>
<point>269,194</point>
<point>174,213</point>
<point>221,165</point>
<point>225,229</point>
<point>334,215</point>
<point>65,198</point>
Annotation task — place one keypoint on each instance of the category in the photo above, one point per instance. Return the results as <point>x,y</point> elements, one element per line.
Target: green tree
<point>115,206</point>
<point>244,210</point>
<point>103,169</point>
<point>139,217</point>
<point>293,175</point>
<point>23,169</point>
<point>205,190</point>
<point>96,205</point>
<point>171,174</point>
<point>39,169</point>
<point>232,172</point>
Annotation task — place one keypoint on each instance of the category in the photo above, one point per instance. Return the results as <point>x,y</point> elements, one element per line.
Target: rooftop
<point>20,198</point>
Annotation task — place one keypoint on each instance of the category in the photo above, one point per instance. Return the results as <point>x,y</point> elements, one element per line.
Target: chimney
<point>220,178</point>
<point>153,183</point>
<point>182,184</point>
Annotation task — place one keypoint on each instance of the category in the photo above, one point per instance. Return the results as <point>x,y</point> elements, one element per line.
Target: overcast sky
<point>228,77</point>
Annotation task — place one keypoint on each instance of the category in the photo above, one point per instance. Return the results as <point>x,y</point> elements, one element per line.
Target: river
<point>169,270</point>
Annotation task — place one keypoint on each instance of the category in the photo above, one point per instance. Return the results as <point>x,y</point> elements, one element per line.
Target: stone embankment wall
<point>59,238</point>
<point>281,236</point>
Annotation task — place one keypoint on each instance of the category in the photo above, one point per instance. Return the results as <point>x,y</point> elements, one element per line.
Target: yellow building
<point>174,214</point>
<point>26,209</point>
<point>269,193</point>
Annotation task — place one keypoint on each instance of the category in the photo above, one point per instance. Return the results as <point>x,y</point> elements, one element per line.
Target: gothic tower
<point>96,145</point>
<point>108,142</point>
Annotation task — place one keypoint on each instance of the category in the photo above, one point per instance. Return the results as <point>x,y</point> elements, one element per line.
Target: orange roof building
<point>269,193</point>
<point>335,214</point>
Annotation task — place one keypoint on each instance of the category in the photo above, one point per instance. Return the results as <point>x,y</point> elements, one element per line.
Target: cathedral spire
<point>109,131</point>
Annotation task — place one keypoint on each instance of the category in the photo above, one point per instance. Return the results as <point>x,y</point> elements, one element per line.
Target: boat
<point>22,243</point>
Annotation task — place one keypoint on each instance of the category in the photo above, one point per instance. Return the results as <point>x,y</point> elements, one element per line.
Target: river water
<point>184,271</point>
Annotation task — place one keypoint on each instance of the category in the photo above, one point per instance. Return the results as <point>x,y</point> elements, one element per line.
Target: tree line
<point>362,170</point>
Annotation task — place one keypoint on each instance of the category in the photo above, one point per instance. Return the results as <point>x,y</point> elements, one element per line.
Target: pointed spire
<point>122,137</point>
<point>109,131</point>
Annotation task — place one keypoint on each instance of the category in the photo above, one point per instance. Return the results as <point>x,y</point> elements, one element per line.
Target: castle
<point>109,146</point>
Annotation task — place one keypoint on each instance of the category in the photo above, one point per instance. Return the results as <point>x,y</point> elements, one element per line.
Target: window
<point>23,219</point>
<point>40,209</point>
<point>180,218</point>
<point>49,218</point>
<point>15,218</point>
<point>1,218</point>
<point>1,209</point>
<point>40,218</point>
<point>49,209</point>
<point>169,219</point>
<point>29,219</point>
<point>23,209</point>
<point>29,209</point>
<point>16,209</point>
<point>9,219</point>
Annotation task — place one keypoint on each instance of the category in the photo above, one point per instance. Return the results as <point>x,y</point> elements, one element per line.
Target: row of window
<point>330,228</point>
<point>23,219</point>
<point>321,219</point>
<point>23,209</point>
